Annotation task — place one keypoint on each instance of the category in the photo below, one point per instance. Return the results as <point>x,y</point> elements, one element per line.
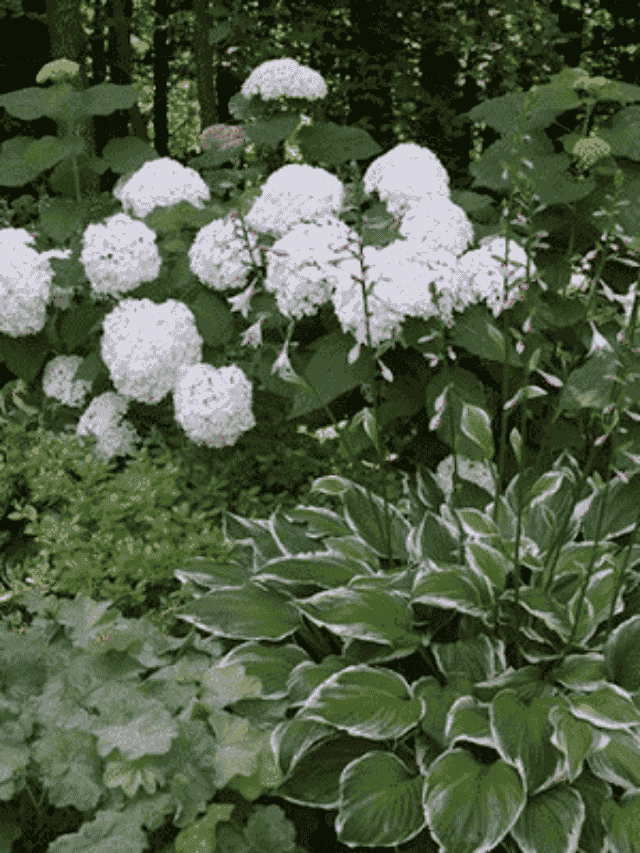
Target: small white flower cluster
<point>214,406</point>
<point>25,282</point>
<point>103,419</point>
<point>219,257</point>
<point>404,175</point>
<point>145,345</point>
<point>294,193</point>
<point>161,183</point>
<point>58,382</point>
<point>299,270</point>
<point>119,255</point>
<point>284,77</point>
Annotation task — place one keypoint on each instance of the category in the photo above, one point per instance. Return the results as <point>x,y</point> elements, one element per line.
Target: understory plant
<point>459,675</point>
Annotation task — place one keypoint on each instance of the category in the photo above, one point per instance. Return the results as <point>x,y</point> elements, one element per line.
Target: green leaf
<point>476,425</point>
<point>472,806</point>
<point>214,319</point>
<point>330,373</point>
<point>201,835</point>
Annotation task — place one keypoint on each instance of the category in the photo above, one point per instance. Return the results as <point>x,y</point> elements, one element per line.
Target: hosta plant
<point>451,699</point>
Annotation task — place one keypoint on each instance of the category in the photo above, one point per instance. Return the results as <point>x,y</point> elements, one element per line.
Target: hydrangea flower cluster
<point>214,406</point>
<point>161,183</point>
<point>145,345</point>
<point>299,270</point>
<point>119,255</point>
<point>25,282</point>
<point>219,257</point>
<point>58,382</point>
<point>284,77</point>
<point>294,193</point>
<point>103,419</point>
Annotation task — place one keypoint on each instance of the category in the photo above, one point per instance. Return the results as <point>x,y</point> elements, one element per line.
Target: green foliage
<point>110,535</point>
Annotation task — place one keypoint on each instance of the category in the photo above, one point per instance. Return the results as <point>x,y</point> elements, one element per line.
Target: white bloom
<point>278,77</point>
<point>385,322</point>
<point>25,282</point>
<point>103,419</point>
<point>403,273</point>
<point>292,194</point>
<point>219,254</point>
<point>404,175</point>
<point>213,406</point>
<point>145,345</point>
<point>298,270</point>
<point>119,255</point>
<point>437,223</point>
<point>57,380</point>
<point>482,274</point>
<point>161,183</point>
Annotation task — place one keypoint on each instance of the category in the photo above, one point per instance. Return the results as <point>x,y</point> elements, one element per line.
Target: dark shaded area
<point>18,70</point>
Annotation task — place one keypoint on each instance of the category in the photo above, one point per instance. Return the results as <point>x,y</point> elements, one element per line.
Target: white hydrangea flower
<point>404,175</point>
<point>161,183</point>
<point>385,322</point>
<point>403,273</point>
<point>213,406</point>
<point>145,345</point>
<point>298,270</point>
<point>219,254</point>
<point>481,275</point>
<point>103,420</point>
<point>119,255</point>
<point>437,223</point>
<point>57,380</point>
<point>25,282</point>
<point>292,194</point>
<point>278,77</point>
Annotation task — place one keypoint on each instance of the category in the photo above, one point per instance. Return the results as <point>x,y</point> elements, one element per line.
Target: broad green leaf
<point>470,807</point>
<point>315,768</point>
<point>551,821</point>
<point>380,802</point>
<point>365,614</point>
<point>462,589</point>
<point>388,712</point>
<point>622,664</point>
<point>522,731</point>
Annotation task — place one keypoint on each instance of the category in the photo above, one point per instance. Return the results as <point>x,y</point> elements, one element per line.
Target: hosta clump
<point>406,707</point>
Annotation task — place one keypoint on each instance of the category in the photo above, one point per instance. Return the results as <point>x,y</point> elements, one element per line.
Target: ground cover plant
<point>457,674</point>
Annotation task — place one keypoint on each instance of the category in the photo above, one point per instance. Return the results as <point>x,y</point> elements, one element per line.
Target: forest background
<point>405,70</point>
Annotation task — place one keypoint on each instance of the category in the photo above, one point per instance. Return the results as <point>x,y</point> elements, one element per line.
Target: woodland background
<point>405,70</point>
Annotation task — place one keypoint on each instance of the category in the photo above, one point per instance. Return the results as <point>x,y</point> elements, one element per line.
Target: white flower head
<point>57,380</point>
<point>103,419</point>
<point>482,274</point>
<point>294,193</point>
<point>145,345</point>
<point>299,270</point>
<point>119,255</point>
<point>403,272</point>
<point>161,183</point>
<point>219,255</point>
<point>278,77</point>
<point>437,223</point>
<point>213,406</point>
<point>348,302</point>
<point>404,175</point>
<point>25,282</point>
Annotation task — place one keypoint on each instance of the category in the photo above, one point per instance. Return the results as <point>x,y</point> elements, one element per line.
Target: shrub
<point>110,535</point>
